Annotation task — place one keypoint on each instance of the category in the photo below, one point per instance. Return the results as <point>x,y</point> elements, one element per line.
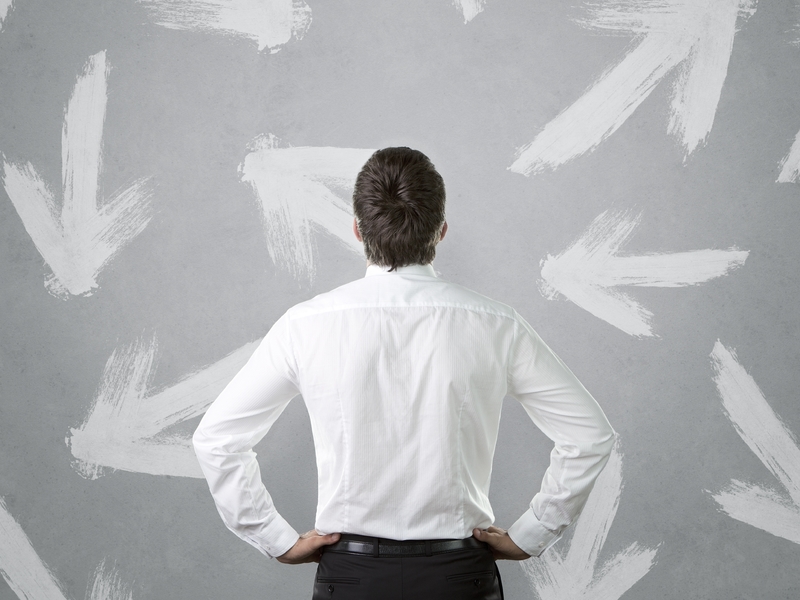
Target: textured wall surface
<point>176,174</point>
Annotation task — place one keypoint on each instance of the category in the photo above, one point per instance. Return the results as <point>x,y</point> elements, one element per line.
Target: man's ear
<point>356,232</point>
<point>444,231</point>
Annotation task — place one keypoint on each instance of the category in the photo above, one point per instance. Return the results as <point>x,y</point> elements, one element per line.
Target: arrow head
<point>770,440</point>
<point>110,427</point>
<point>78,239</point>
<point>697,35</point>
<point>299,190</point>
<point>573,573</point>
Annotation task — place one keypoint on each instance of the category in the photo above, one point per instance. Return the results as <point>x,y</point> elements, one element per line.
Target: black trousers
<point>468,574</point>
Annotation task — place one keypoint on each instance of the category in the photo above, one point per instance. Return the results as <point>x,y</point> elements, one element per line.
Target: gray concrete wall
<point>106,367</point>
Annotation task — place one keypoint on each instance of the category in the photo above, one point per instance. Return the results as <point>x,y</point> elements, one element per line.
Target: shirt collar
<point>426,270</point>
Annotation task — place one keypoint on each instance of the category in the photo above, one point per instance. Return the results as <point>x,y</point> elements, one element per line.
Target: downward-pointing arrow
<point>572,572</point>
<point>770,440</point>
<point>300,188</point>
<point>270,23</point>
<point>125,426</point>
<point>80,240</point>
<point>588,272</point>
<point>697,34</point>
<point>29,577</point>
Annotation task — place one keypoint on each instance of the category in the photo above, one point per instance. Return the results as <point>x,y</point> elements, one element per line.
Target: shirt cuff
<point>529,534</point>
<point>280,537</point>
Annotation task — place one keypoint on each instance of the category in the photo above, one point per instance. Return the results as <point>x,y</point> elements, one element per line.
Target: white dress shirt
<point>403,375</point>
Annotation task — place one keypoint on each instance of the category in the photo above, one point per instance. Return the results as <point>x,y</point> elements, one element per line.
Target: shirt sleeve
<point>235,422</point>
<point>561,407</point>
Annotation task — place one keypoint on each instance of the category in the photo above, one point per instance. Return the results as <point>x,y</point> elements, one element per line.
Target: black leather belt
<point>351,544</point>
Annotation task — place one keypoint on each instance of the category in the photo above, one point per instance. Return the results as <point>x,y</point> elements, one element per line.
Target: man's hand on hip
<point>306,549</point>
<point>503,547</point>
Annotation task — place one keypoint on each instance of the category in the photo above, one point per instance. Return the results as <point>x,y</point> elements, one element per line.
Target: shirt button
<point>541,544</point>
<point>330,589</point>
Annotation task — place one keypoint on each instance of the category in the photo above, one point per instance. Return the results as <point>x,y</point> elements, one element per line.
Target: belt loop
<point>428,551</point>
<point>376,547</point>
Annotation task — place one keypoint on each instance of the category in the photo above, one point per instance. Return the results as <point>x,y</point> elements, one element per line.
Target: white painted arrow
<point>790,165</point>
<point>108,585</point>
<point>80,240</point>
<point>20,566</point>
<point>125,425</point>
<point>270,23</point>
<point>573,572</point>
<point>30,579</point>
<point>300,189</point>
<point>695,34</point>
<point>590,270</point>
<point>5,7</point>
<point>470,8</point>
<point>769,439</point>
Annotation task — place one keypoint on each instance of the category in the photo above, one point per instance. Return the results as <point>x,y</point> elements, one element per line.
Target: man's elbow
<point>201,441</point>
<point>606,438</point>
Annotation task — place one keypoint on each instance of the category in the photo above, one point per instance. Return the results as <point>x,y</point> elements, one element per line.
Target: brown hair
<point>398,202</point>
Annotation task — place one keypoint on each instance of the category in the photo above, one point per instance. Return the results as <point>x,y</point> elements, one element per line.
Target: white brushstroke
<point>30,579</point>
<point>573,572</point>
<point>589,271</point>
<point>790,165</point>
<point>770,440</point>
<point>470,8</point>
<point>108,585</point>
<point>297,191</point>
<point>81,238</point>
<point>5,8</point>
<point>125,425</point>
<point>696,35</point>
<point>20,566</point>
<point>270,23</point>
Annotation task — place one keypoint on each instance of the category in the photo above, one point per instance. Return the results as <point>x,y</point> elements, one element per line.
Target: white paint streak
<point>108,585</point>
<point>697,35</point>
<point>5,8</point>
<point>81,238</point>
<point>769,439</point>
<point>790,165</point>
<point>125,425</point>
<point>589,271</point>
<point>295,187</point>
<point>470,8</point>
<point>20,566</point>
<point>270,23</point>
<point>573,573</point>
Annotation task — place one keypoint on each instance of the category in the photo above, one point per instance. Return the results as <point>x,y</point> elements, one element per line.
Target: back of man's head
<point>398,202</point>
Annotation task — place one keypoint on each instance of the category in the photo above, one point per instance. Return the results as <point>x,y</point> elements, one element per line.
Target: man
<point>403,375</point>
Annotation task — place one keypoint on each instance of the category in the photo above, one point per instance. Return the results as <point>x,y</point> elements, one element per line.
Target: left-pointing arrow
<point>125,426</point>
<point>589,272</point>
<point>78,240</point>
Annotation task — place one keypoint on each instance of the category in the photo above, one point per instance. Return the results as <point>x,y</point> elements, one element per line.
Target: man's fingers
<point>484,535</point>
<point>493,529</point>
<point>331,538</point>
<point>324,540</point>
